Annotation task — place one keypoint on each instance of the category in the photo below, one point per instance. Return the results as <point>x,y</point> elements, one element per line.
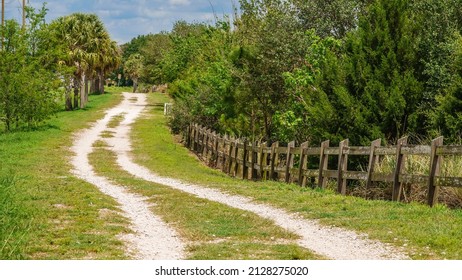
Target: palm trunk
<point>94,85</point>
<point>135,84</point>
<point>76,91</point>
<point>82,91</point>
<point>68,99</point>
<point>101,81</point>
<point>87,90</point>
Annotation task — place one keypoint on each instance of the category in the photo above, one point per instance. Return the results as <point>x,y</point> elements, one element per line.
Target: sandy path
<point>331,242</point>
<point>152,238</point>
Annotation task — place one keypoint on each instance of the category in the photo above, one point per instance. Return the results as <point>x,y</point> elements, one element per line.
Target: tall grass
<point>13,220</point>
<point>451,166</point>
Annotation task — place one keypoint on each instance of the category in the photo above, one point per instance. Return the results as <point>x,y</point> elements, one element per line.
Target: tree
<point>332,18</point>
<point>271,42</point>
<point>29,83</point>
<point>134,68</point>
<point>90,50</point>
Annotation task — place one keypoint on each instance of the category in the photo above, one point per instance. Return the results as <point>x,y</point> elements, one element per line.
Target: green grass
<point>213,230</point>
<point>46,213</point>
<point>425,233</point>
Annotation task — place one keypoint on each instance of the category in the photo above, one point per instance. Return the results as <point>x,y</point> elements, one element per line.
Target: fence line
<point>259,161</point>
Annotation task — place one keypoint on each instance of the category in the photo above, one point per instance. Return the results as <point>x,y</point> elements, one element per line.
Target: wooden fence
<point>252,160</point>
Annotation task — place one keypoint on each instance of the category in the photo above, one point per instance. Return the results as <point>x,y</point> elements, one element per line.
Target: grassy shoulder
<point>50,214</point>
<point>210,230</point>
<point>426,233</point>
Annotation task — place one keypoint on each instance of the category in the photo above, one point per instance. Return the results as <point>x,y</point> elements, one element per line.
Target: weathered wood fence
<point>252,160</point>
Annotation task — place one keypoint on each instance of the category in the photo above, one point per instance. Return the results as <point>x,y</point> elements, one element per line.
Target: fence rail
<point>294,164</point>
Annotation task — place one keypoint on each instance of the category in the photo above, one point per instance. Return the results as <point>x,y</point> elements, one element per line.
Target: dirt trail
<point>334,243</point>
<point>152,238</point>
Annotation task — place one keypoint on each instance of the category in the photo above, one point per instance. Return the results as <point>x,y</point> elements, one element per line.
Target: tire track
<point>152,238</point>
<point>334,243</point>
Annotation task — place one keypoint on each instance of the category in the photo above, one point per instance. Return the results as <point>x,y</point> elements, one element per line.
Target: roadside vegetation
<point>315,70</point>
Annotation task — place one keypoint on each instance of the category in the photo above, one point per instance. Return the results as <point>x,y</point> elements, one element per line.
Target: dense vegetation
<point>42,65</point>
<point>316,70</point>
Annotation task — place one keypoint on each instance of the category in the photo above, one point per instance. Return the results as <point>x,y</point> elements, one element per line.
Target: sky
<point>126,19</point>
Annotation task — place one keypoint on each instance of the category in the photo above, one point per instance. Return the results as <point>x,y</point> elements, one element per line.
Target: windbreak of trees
<point>44,66</point>
<point>29,86</point>
<point>315,70</point>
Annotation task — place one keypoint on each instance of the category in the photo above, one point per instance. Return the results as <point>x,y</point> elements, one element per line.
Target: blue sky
<point>126,19</point>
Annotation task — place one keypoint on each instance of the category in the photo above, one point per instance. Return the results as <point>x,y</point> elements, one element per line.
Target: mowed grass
<point>48,213</point>
<point>210,230</point>
<point>425,233</point>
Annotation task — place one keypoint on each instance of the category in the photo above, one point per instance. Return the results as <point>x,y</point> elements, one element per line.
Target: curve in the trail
<point>334,243</point>
<point>152,238</point>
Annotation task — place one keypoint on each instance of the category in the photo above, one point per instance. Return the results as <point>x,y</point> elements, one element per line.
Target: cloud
<point>179,2</point>
<point>126,19</point>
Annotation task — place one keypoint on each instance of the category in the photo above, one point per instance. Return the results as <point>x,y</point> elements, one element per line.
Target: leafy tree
<point>332,18</point>
<point>154,50</point>
<point>134,68</point>
<point>381,59</point>
<point>29,84</point>
<point>271,42</point>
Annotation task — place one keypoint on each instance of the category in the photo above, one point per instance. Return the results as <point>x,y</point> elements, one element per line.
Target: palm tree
<point>134,68</point>
<point>89,51</point>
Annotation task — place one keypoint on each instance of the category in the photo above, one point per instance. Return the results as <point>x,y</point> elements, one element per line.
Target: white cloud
<point>126,19</point>
<point>179,2</point>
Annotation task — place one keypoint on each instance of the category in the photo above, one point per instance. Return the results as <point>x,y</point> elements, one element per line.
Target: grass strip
<point>211,230</point>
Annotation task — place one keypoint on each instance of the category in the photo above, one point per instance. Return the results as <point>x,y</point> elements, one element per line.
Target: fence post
<point>261,161</point>
<point>230,155</point>
<point>245,168</point>
<point>274,154</point>
<point>289,161</point>
<point>372,161</point>
<point>435,162</point>
<point>323,164</point>
<point>205,150</point>
<point>217,145</point>
<point>253,171</point>
<point>303,164</point>
<point>193,137</point>
<point>400,158</point>
<point>225,153</point>
<point>342,167</point>
<point>187,137</point>
<point>236,153</point>
<point>199,139</point>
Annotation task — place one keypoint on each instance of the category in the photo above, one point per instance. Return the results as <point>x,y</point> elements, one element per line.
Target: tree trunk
<point>101,81</point>
<point>83,91</point>
<point>76,91</point>
<point>68,99</point>
<point>87,90</point>
<point>94,85</point>
<point>135,85</point>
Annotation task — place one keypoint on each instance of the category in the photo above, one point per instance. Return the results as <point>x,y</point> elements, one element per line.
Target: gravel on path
<point>152,239</point>
<point>332,242</point>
